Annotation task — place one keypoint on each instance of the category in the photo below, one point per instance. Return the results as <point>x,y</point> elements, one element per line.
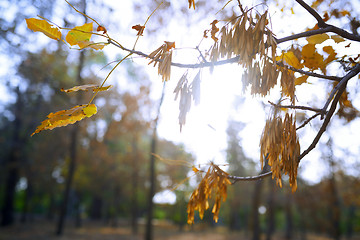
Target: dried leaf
<point>80,34</point>
<point>101,28</point>
<point>312,59</point>
<point>191,3</point>
<point>87,87</point>
<point>317,39</point>
<point>290,59</point>
<point>337,38</point>
<point>38,25</point>
<point>139,29</point>
<point>301,80</point>
<point>66,117</point>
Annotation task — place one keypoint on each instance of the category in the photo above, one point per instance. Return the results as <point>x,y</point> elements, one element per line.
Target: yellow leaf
<point>90,110</point>
<point>337,38</point>
<point>292,60</point>
<point>86,88</point>
<point>195,169</point>
<point>312,59</point>
<point>38,25</point>
<point>91,44</point>
<point>66,117</point>
<point>301,80</point>
<point>317,39</point>
<point>80,34</point>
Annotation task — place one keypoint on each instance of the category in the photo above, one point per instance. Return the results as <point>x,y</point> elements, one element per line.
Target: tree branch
<point>296,107</point>
<point>308,120</point>
<point>342,87</point>
<point>249,178</point>
<point>319,19</point>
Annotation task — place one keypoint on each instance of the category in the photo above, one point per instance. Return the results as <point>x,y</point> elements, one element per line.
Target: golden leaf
<point>301,80</point>
<point>90,44</point>
<point>317,39</point>
<point>80,34</point>
<point>86,88</point>
<point>66,117</point>
<point>312,59</point>
<point>38,25</point>
<point>337,38</point>
<point>290,58</point>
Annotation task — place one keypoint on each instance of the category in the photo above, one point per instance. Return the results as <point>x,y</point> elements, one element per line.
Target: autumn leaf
<point>139,29</point>
<point>87,87</point>
<point>38,25</point>
<point>317,39</point>
<point>337,38</point>
<point>80,34</point>
<point>101,28</point>
<point>66,117</point>
<point>301,80</point>
<point>91,44</point>
<point>191,3</point>
<point>290,59</point>
<point>312,59</point>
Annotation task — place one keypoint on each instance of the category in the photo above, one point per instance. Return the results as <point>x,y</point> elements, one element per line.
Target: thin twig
<point>308,120</point>
<point>249,178</point>
<point>320,21</point>
<point>332,109</point>
<point>296,107</point>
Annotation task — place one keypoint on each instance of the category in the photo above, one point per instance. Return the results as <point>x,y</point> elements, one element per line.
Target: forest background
<point>109,154</point>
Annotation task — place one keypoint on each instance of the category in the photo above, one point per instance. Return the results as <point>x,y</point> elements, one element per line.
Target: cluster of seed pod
<point>163,56</point>
<point>250,39</point>
<point>280,145</point>
<point>215,181</point>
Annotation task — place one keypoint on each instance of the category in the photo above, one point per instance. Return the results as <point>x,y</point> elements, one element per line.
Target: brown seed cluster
<point>163,56</point>
<point>280,144</point>
<point>215,180</point>
<point>251,40</point>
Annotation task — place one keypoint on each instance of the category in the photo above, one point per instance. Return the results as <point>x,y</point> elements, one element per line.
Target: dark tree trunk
<point>73,155</point>
<point>13,165</point>
<point>270,210</point>
<point>350,221</point>
<point>256,204</point>
<point>150,208</point>
<point>27,200</point>
<point>288,216</point>
<point>135,177</point>
<point>96,208</point>
<point>78,210</point>
<point>334,210</point>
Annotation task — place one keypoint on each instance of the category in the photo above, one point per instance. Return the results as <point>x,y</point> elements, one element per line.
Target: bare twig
<point>320,21</point>
<point>332,109</point>
<point>249,178</point>
<point>308,120</point>
<point>296,107</point>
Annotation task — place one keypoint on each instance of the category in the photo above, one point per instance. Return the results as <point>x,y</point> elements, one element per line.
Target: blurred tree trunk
<point>334,202</point>
<point>96,208</point>
<point>334,210</point>
<point>78,210</point>
<point>270,210</point>
<point>73,153</point>
<point>135,177</point>
<point>288,215</point>
<point>150,208</point>
<point>27,199</point>
<point>350,221</point>
<point>256,199</point>
<point>13,164</point>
